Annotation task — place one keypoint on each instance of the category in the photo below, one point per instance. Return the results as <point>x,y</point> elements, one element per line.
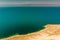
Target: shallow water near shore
<point>20,30</point>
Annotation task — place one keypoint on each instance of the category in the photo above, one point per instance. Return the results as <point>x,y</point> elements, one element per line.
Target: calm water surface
<point>23,20</point>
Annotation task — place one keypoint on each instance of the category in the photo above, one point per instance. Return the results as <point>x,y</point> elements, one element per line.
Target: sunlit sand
<point>51,32</point>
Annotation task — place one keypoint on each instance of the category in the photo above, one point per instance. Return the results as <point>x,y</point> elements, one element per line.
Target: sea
<point>24,20</point>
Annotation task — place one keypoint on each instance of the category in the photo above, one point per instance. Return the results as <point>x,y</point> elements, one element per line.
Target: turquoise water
<point>23,20</point>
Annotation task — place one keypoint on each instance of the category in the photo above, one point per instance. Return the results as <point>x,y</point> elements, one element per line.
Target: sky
<point>29,0</point>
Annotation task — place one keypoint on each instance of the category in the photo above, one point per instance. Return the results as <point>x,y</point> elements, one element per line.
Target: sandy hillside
<point>51,32</point>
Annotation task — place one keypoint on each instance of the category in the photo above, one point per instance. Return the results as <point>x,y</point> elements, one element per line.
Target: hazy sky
<point>29,0</point>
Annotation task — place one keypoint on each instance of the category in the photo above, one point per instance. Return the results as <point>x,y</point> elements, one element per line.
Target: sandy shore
<point>51,32</point>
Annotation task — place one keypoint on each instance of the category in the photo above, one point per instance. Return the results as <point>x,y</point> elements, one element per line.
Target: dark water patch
<point>20,29</point>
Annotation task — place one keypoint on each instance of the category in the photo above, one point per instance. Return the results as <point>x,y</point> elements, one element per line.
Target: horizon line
<point>33,3</point>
